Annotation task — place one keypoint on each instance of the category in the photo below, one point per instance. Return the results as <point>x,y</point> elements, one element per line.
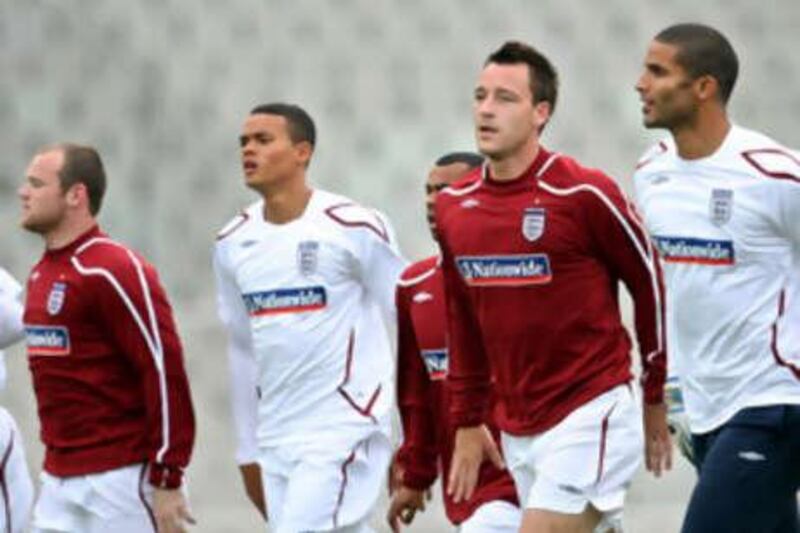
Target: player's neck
<point>286,202</point>
<point>67,231</point>
<point>512,166</point>
<point>703,137</point>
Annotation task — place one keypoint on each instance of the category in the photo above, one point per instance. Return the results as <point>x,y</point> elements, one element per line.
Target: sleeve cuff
<point>417,480</point>
<point>165,477</point>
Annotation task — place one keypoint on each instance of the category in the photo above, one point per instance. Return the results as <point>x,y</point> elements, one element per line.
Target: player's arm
<point>379,262</point>
<point>788,199</point>
<point>134,310</point>
<point>417,457</point>
<point>243,374</point>
<point>11,328</point>
<point>468,378</point>
<point>621,240</point>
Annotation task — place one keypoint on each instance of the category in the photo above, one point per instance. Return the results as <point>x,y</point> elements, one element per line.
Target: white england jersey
<point>728,229</point>
<point>11,328</point>
<point>306,304</point>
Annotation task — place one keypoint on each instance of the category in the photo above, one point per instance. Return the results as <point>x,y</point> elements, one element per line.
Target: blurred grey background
<point>162,86</point>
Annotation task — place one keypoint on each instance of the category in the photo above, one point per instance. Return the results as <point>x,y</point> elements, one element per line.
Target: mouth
<point>249,167</point>
<point>486,131</point>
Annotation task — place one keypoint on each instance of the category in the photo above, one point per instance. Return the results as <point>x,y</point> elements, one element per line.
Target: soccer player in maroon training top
<point>423,399</point>
<point>533,252</point>
<point>116,414</point>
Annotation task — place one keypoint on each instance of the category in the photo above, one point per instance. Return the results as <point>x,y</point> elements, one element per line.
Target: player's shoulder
<point>463,186</point>
<point>101,253</point>
<point>8,284</point>
<point>656,156</point>
<point>419,271</point>
<point>235,224</point>
<point>347,215</point>
<point>566,176</point>
<point>762,154</point>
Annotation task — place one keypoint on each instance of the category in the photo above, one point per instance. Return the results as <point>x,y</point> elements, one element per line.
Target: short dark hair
<point>542,74</point>
<point>82,164</point>
<point>300,125</point>
<point>704,51</point>
<point>471,159</point>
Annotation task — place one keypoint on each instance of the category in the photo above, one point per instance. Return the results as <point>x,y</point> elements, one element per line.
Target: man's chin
<point>34,226</point>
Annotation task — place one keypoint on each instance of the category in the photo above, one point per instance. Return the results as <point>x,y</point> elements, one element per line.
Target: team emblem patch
<point>55,300</point>
<point>533,219</point>
<point>307,257</point>
<point>721,206</point>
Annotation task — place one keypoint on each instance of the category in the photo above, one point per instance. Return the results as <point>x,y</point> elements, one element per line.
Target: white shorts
<point>16,488</point>
<point>118,500</point>
<point>330,490</point>
<point>496,516</point>
<point>589,457</point>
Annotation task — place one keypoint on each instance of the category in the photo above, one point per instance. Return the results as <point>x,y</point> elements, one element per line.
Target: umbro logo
<point>421,297</point>
<point>469,203</point>
<point>661,179</point>
<point>752,456</point>
<point>248,243</point>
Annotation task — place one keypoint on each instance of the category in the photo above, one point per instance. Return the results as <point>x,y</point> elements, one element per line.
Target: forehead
<point>46,164</point>
<point>514,77</point>
<point>448,173</point>
<point>663,54</point>
<point>263,122</point>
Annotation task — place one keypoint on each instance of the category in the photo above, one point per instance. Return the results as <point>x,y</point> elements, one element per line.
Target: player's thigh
<point>54,512</point>
<point>326,492</point>
<point>17,487</point>
<point>496,516</point>
<point>748,477</point>
<point>274,494</point>
<point>589,458</point>
<point>122,496</point>
<point>518,453</point>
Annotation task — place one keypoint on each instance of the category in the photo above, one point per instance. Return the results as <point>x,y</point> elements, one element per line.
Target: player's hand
<point>171,511</point>
<point>251,478</point>
<point>657,444</point>
<point>404,505</point>
<point>677,420</point>
<point>473,445</point>
<point>395,478</point>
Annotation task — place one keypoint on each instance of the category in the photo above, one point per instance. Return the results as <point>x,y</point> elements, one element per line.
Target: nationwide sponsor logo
<point>695,251</point>
<point>280,301</point>
<point>436,363</point>
<point>55,300</point>
<point>47,340</point>
<point>505,270</point>
<point>721,206</point>
<point>533,219</point>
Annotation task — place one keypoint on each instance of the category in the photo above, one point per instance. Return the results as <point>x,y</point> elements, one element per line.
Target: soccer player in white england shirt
<point>17,495</point>
<point>723,205</point>
<point>306,283</point>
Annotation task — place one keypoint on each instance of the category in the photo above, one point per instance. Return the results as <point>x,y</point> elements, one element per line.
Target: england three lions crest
<point>721,206</point>
<point>307,257</point>
<point>533,221</point>
<point>55,300</point>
